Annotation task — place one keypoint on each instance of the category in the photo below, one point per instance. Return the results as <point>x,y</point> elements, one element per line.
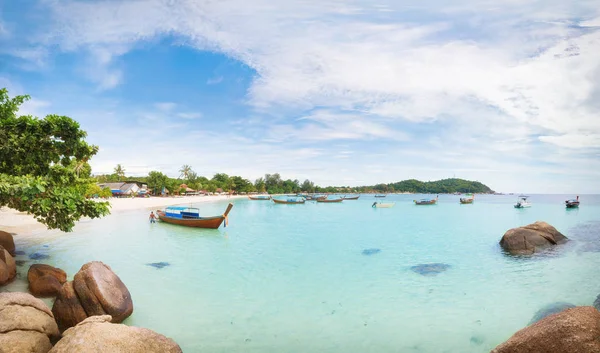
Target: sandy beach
<point>22,224</point>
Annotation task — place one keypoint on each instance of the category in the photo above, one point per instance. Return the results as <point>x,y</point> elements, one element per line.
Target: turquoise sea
<point>294,278</point>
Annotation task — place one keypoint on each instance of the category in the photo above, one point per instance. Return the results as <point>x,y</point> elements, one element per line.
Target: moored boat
<point>522,202</point>
<point>467,200</point>
<point>426,201</point>
<point>351,197</point>
<point>260,197</point>
<point>572,203</point>
<point>380,196</point>
<point>383,204</point>
<point>326,200</point>
<point>289,201</point>
<point>190,217</point>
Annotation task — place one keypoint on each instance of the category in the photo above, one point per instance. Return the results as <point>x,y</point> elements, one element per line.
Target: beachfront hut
<point>122,189</point>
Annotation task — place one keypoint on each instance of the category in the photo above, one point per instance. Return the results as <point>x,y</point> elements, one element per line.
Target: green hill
<point>445,186</point>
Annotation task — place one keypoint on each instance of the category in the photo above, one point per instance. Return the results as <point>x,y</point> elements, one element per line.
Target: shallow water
<point>297,278</point>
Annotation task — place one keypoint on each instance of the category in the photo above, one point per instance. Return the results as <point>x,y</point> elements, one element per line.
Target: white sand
<point>22,224</point>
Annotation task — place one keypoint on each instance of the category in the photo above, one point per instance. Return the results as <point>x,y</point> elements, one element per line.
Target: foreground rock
<point>8,266</point>
<point>574,330</point>
<point>45,280</point>
<point>97,334</point>
<point>531,238</point>
<point>7,242</point>
<point>26,324</point>
<point>95,290</point>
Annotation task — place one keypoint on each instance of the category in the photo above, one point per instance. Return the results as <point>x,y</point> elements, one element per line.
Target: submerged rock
<point>38,256</point>
<point>550,309</point>
<point>26,324</point>
<point>7,242</point>
<point>19,252</point>
<point>430,269</point>
<point>574,330</point>
<point>477,340</point>
<point>371,251</point>
<point>531,239</point>
<point>20,262</point>
<point>159,265</point>
<point>597,302</point>
<point>97,334</point>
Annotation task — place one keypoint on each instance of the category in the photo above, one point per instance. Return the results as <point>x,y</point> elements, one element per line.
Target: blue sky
<point>348,92</point>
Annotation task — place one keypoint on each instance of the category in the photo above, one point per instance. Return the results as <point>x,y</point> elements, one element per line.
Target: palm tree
<point>185,171</point>
<point>120,171</point>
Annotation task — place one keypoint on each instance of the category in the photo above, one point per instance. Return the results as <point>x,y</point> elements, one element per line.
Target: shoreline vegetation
<point>274,184</point>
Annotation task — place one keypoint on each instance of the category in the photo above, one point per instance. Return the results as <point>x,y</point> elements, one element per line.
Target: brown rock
<point>26,324</point>
<point>101,291</point>
<point>574,330</point>
<point>4,273</point>
<point>7,242</point>
<point>67,309</point>
<point>39,270</point>
<point>531,238</point>
<point>22,311</point>
<point>24,341</point>
<point>8,272</point>
<point>45,286</point>
<point>97,335</point>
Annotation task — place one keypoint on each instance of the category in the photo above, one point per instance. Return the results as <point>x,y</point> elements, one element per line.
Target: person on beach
<point>152,217</point>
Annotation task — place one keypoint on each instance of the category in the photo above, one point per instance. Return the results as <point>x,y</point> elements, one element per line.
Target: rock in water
<point>95,290</point>
<point>550,309</point>
<point>97,335</point>
<point>575,330</point>
<point>531,239</point>
<point>159,265</point>
<point>45,280</point>
<point>430,269</point>
<point>7,242</point>
<point>371,251</point>
<point>38,256</point>
<point>67,309</point>
<point>19,252</point>
<point>8,266</point>
<point>39,270</point>
<point>26,324</point>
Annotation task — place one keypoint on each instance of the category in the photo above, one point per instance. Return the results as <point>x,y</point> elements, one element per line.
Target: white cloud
<point>165,106</point>
<point>189,115</point>
<point>476,80</point>
<point>214,80</point>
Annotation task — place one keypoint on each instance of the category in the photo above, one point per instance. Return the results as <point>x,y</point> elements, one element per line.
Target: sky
<point>351,92</point>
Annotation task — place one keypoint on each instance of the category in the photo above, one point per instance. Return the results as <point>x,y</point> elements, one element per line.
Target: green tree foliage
<point>185,171</point>
<point>42,166</point>
<point>156,182</point>
<point>93,190</point>
<point>120,172</point>
<point>259,185</point>
<point>106,193</point>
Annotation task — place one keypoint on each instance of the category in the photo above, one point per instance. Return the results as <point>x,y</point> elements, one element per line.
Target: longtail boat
<point>351,197</point>
<point>572,203</point>
<point>260,197</point>
<point>380,196</point>
<point>290,201</point>
<point>383,204</point>
<point>426,201</point>
<point>467,200</point>
<point>326,200</point>
<point>190,217</point>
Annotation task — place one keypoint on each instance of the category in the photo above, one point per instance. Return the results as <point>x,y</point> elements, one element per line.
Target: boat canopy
<point>182,212</point>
